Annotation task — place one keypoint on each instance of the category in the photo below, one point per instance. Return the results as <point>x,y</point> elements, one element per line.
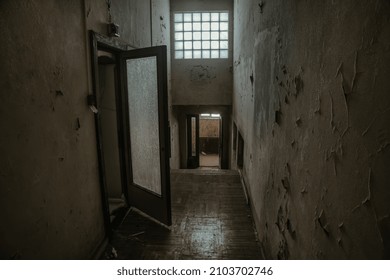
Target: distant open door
<point>192,141</point>
<point>144,84</point>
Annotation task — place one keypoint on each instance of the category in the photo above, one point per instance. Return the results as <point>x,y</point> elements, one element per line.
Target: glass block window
<point>201,35</point>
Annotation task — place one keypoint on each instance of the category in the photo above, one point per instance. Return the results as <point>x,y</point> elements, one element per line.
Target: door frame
<point>192,161</point>
<point>183,110</point>
<point>100,42</point>
<point>221,156</point>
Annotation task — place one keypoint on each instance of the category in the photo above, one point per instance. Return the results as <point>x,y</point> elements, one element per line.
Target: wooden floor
<point>210,221</point>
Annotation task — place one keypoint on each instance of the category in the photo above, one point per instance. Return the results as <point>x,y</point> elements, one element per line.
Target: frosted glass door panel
<point>144,122</point>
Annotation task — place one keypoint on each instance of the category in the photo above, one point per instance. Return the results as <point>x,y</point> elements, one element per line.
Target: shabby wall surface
<point>311,100</point>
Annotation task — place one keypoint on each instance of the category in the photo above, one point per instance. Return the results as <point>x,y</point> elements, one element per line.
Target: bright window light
<point>201,35</point>
<point>210,116</point>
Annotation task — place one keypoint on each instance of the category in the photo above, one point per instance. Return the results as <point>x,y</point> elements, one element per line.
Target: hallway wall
<point>50,201</point>
<point>311,102</point>
<point>162,36</point>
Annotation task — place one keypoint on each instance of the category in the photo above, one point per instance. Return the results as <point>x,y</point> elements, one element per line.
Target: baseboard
<point>243,184</point>
<point>255,219</point>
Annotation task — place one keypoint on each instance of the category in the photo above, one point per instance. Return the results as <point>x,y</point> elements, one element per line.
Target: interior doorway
<point>210,144</point>
<point>204,141</point>
<point>108,108</point>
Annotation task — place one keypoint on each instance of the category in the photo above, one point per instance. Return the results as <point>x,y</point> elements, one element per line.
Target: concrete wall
<point>50,200</point>
<point>311,101</point>
<point>202,81</point>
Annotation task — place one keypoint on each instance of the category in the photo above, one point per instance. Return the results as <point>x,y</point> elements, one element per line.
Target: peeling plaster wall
<point>202,81</point>
<point>50,200</point>
<point>311,100</point>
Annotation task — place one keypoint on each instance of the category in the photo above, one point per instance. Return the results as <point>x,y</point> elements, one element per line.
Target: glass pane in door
<point>144,122</point>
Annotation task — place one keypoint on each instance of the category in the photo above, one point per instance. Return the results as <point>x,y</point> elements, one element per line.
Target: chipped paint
<point>319,102</point>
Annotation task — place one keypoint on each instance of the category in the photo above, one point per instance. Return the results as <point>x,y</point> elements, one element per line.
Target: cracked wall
<point>311,101</point>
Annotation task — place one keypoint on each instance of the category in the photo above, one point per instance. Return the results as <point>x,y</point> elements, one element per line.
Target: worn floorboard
<point>210,221</point>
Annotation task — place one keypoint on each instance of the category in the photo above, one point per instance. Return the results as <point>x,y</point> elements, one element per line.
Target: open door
<point>192,141</point>
<point>144,85</point>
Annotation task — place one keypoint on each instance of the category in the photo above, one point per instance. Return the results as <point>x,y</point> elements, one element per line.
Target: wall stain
<point>261,6</point>
<point>298,82</point>
<point>202,73</point>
